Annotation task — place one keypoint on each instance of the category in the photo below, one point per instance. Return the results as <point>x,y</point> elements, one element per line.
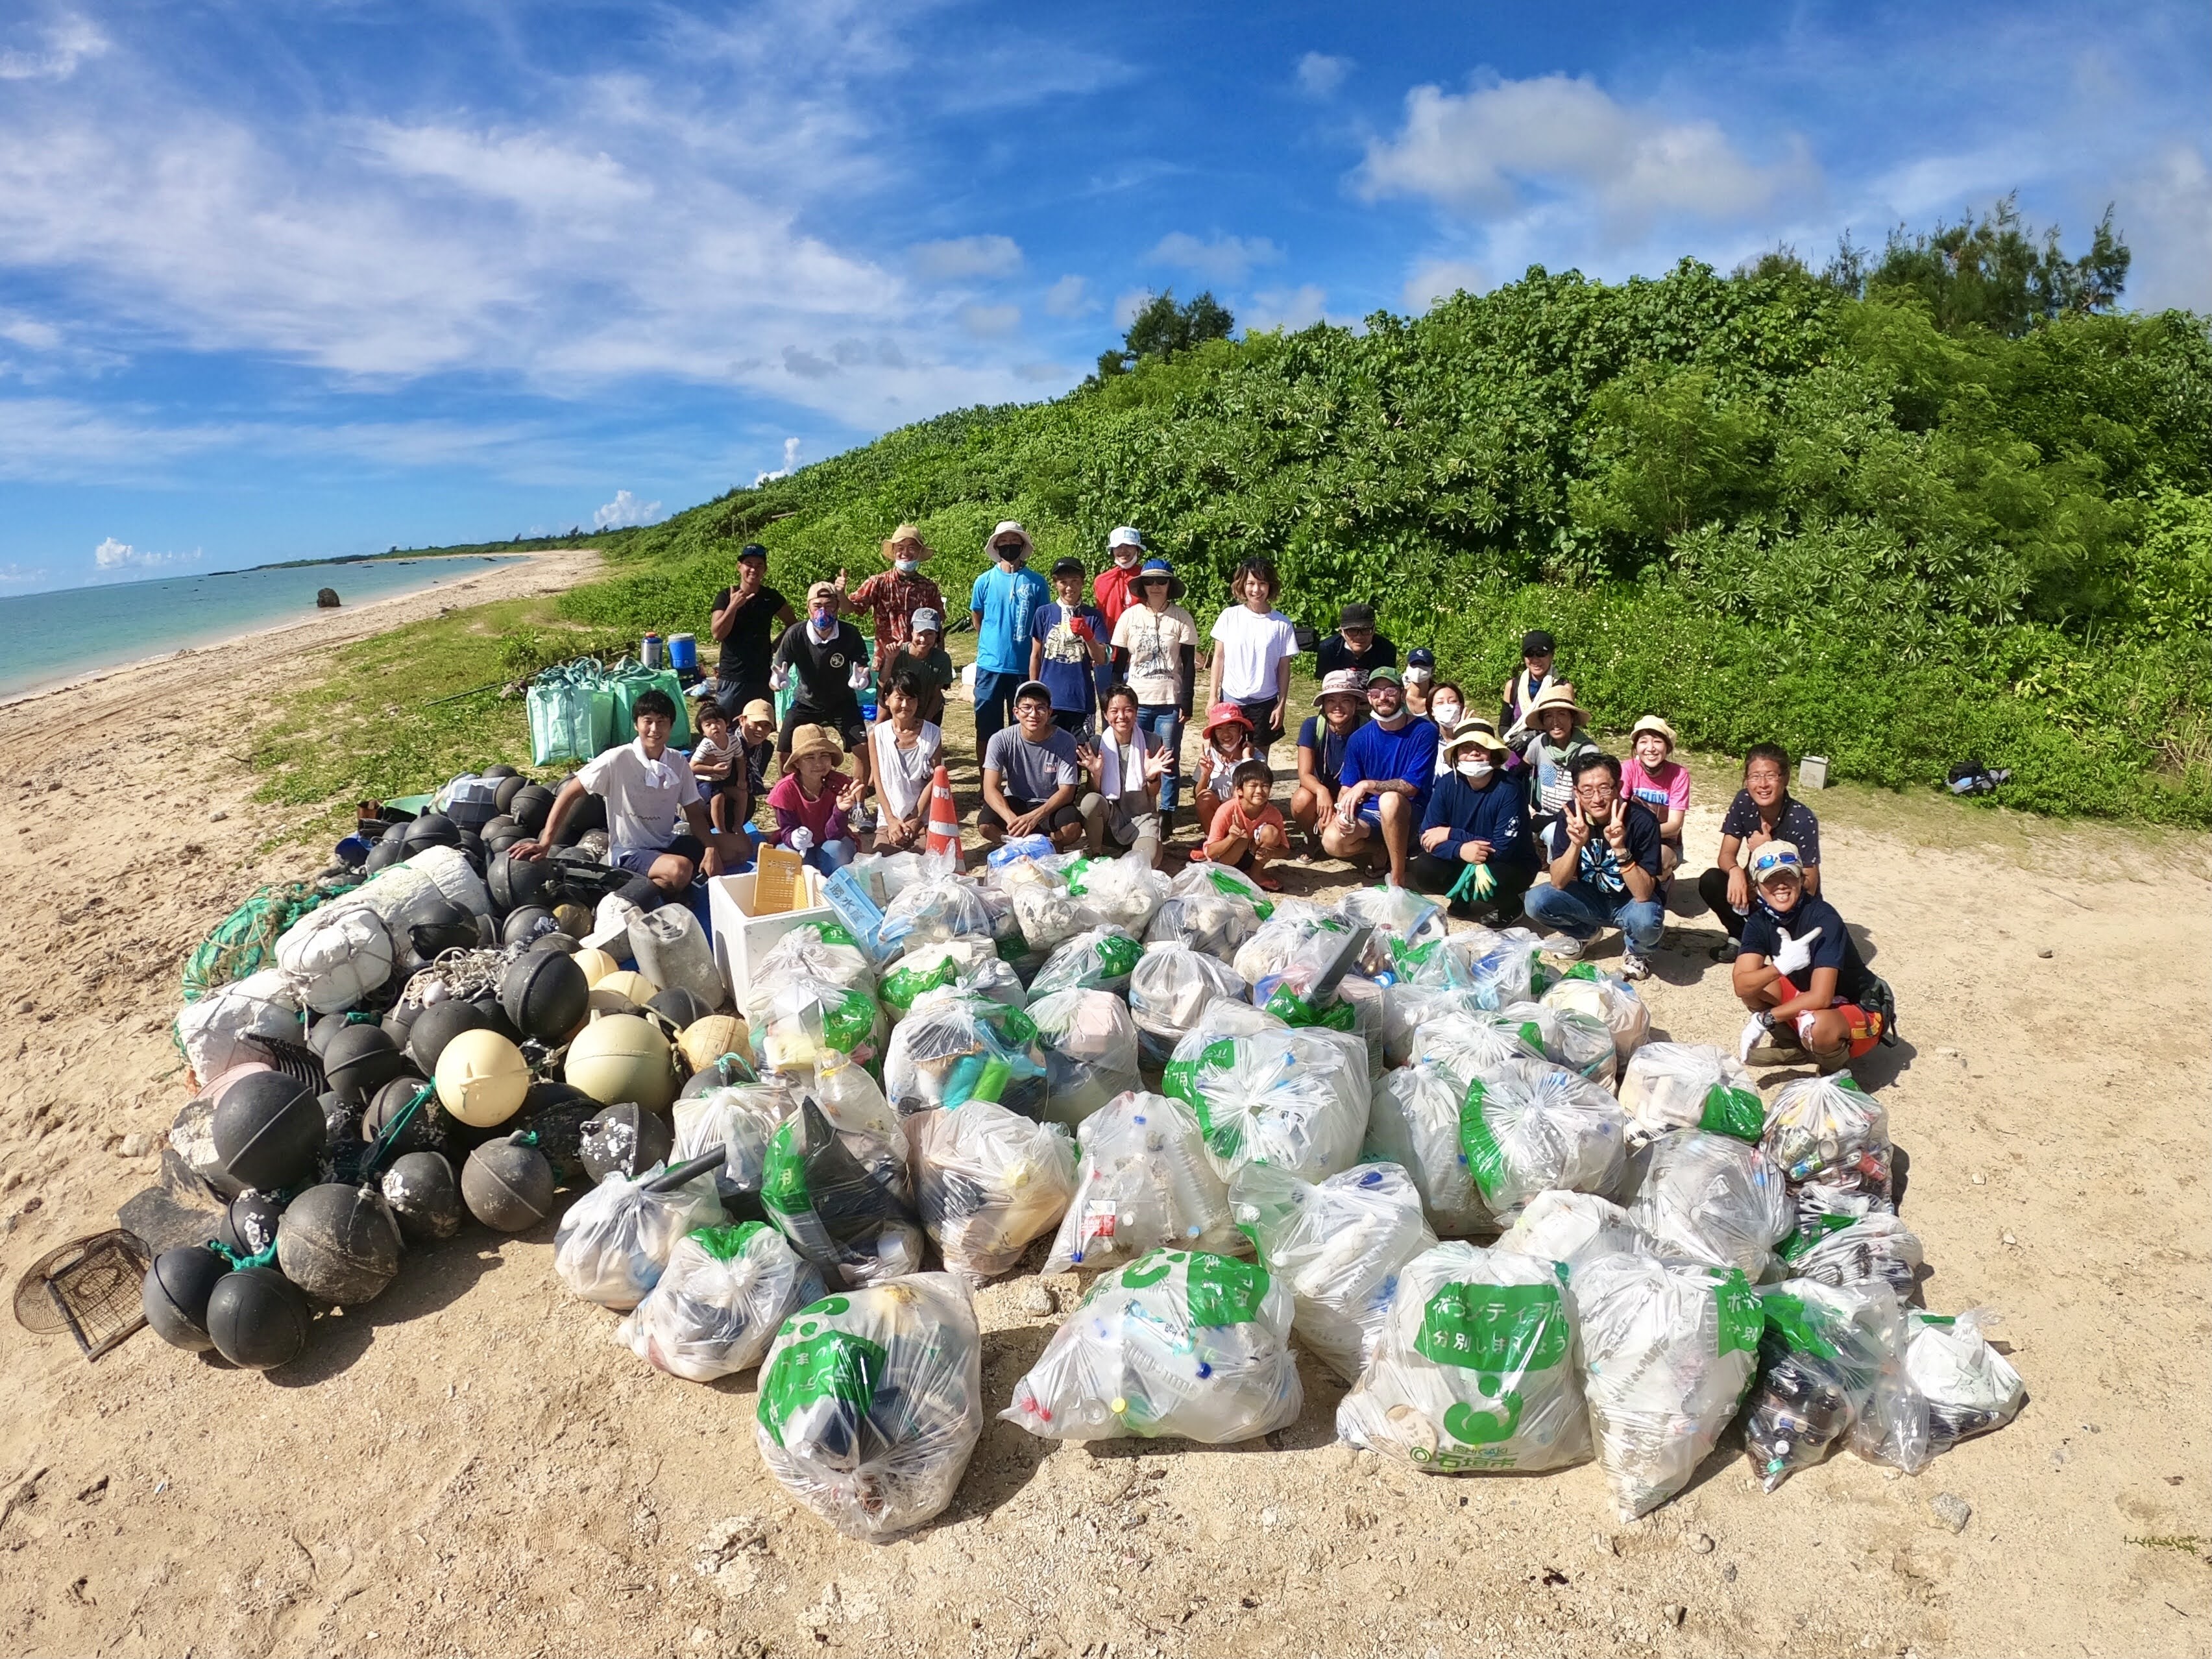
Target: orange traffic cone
<point>943,815</point>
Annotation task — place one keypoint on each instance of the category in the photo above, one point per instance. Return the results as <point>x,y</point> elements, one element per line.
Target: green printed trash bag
<point>1296,1099</point>
<point>630,679</point>
<point>1832,1372</point>
<point>572,713</point>
<point>1096,959</point>
<point>804,1018</point>
<point>719,1300</point>
<point>1527,1126</point>
<point>1690,1086</point>
<point>871,1402</point>
<point>940,1053</point>
<point>1179,1342</point>
<point>838,1189</point>
<point>245,941</point>
<point>1473,1369</point>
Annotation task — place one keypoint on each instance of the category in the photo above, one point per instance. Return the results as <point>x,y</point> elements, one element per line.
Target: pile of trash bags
<point>1454,1170</point>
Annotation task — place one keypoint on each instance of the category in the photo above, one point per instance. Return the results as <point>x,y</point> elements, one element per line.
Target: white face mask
<point>1475,771</point>
<point>1420,676</point>
<point>1446,713</point>
<point>908,566</point>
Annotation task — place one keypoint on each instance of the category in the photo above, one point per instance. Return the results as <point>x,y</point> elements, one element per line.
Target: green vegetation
<point>1897,526</point>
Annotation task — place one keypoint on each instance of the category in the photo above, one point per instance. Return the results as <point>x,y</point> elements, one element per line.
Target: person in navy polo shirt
<point>1801,974</point>
<point>1389,766</point>
<point>1604,858</point>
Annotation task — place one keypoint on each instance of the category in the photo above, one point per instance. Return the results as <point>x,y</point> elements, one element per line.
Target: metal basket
<point>90,1287</point>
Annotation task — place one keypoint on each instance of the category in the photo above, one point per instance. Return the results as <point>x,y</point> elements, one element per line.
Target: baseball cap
<point>1033,688</point>
<point>1776,857</point>
<point>820,590</point>
<point>927,618</point>
<point>1537,643</point>
<point>1385,674</point>
<point>1339,681</point>
<point>753,550</point>
<point>1358,613</point>
<point>1125,535</point>
<point>1068,566</point>
<point>758,709</point>
<point>1420,657</point>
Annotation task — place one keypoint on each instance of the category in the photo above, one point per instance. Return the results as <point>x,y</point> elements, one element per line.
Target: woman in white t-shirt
<point>1156,646</point>
<point>1252,667</point>
<point>905,749</point>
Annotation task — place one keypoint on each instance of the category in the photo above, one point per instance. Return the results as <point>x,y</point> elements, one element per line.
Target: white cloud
<point>1439,279</point>
<point>114,556</point>
<point>1128,303</point>
<point>1225,259</point>
<point>2164,210</point>
<point>68,44</point>
<point>1320,74</point>
<point>16,575</point>
<point>624,511</point>
<point>1069,297</point>
<point>1490,152</point>
<point>966,257</point>
<point>990,322</point>
<point>1044,373</point>
<point>790,463</point>
<point>1285,307</point>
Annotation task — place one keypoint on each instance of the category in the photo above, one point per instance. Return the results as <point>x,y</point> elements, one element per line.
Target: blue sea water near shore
<point>46,637</point>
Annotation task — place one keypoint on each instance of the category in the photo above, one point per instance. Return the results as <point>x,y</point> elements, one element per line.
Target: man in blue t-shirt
<point>1603,852</point>
<point>1003,605</point>
<point>1388,765</point>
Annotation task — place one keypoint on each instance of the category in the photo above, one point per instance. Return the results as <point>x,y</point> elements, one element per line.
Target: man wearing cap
<point>924,653</point>
<point>894,595</point>
<point>1475,844</point>
<point>1156,649</point>
<point>1604,866</point>
<point>1125,551</point>
<point>1002,605</point>
<point>747,619</point>
<point>1342,700</point>
<point>1355,645</point>
<point>1389,767</point>
<point>829,659</point>
<point>1031,774</point>
<point>1067,645</point>
<point>1801,974</point>
<point>1523,690</point>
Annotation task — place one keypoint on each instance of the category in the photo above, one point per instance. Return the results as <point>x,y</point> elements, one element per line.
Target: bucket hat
<point>905,533</point>
<point>1474,734</point>
<point>1340,682</point>
<point>1556,695</point>
<point>1224,713</point>
<point>811,739</point>
<point>1009,527</point>
<point>1156,570</point>
<point>1651,723</point>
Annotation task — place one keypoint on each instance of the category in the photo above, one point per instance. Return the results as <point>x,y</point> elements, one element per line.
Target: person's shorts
<point>1865,1026</point>
<point>638,860</point>
<point>1076,722</point>
<point>1262,716</point>
<point>1061,818</point>
<point>851,730</point>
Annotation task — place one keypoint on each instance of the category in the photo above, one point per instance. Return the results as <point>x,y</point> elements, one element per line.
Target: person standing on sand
<point>1355,645</point>
<point>1002,605</point>
<point>1762,812</point>
<point>1156,651</point>
<point>1125,548</point>
<point>748,619</point>
<point>1537,651</point>
<point>894,596</point>
<point>829,659</point>
<point>1256,644</point>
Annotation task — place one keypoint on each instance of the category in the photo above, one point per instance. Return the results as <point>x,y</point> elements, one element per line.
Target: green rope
<point>394,1128</point>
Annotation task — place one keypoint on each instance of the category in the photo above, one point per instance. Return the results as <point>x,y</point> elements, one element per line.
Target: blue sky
<point>283,278</point>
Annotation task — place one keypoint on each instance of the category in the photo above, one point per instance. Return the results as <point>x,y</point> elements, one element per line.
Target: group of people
<point>1083,686</point>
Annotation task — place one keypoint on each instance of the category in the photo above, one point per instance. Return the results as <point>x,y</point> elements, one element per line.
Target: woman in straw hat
<point>1474,845</point>
<point>1557,721</point>
<point>893,596</point>
<point>1655,777</point>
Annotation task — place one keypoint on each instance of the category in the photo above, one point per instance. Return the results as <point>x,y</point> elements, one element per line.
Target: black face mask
<point>1012,554</point>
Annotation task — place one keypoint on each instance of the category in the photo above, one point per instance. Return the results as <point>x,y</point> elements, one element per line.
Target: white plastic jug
<point>671,951</point>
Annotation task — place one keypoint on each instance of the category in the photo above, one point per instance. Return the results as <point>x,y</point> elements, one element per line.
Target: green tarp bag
<point>572,712</point>
<point>628,680</point>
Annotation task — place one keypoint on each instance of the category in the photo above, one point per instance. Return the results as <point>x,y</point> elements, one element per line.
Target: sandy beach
<point>471,1464</point>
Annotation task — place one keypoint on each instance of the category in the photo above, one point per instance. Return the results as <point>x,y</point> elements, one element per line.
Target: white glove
<point>800,840</point>
<point>858,677</point>
<point>1755,1031</point>
<point>779,676</point>
<point>1795,954</point>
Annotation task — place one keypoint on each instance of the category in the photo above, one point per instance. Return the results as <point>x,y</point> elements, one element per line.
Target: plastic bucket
<point>683,653</point>
<point>649,652</point>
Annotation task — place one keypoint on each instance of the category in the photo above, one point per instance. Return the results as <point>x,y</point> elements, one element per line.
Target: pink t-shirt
<point>1665,790</point>
<point>820,815</point>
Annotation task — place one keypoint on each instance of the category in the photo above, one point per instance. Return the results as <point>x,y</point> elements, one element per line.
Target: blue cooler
<point>683,653</point>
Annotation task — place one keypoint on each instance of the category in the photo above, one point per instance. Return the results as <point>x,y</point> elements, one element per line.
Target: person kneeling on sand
<point>1793,939</point>
<point>1248,831</point>
<point>1604,852</point>
<point>813,801</point>
<point>1120,808</point>
<point>1031,772</point>
<point>1389,767</point>
<point>1342,700</point>
<point>649,789</point>
<point>1475,845</point>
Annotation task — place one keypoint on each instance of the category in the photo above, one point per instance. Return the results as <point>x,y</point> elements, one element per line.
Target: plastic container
<point>683,653</point>
<point>672,951</point>
<point>653,652</point>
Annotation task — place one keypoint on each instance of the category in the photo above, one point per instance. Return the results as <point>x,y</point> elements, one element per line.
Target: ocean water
<point>44,637</point>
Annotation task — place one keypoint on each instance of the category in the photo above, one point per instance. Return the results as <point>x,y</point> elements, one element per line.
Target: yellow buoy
<point>628,984</point>
<point>596,965</point>
<point>482,1079</point>
<point>706,1040</point>
<point>623,1057</point>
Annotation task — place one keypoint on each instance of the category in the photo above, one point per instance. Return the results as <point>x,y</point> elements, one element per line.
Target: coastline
<point>325,622</point>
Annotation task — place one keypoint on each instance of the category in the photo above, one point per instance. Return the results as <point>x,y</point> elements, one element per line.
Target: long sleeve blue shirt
<point>1497,813</point>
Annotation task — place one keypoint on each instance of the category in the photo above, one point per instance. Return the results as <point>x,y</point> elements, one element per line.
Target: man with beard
<point>1389,766</point>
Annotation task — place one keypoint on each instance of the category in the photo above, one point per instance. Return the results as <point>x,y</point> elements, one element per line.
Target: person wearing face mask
<point>1420,678</point>
<point>1477,820</point>
<point>1125,553</point>
<point>1447,708</point>
<point>893,596</point>
<point>1389,767</point>
<point>827,660</point>
<point>1003,605</point>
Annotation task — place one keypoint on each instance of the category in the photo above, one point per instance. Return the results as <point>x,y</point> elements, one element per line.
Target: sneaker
<point>1633,966</point>
<point>1726,950</point>
<point>1564,946</point>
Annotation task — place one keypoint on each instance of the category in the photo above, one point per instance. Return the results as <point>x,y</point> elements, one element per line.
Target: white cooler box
<point>741,937</point>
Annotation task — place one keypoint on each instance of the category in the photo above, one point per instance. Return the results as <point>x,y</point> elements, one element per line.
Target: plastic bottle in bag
<point>740,1119</point>
<point>1690,1086</point>
<point>964,964</point>
<point>1828,1130</point>
<point>1527,1126</point>
<point>843,1198</point>
<point>1209,922</point>
<point>871,1402</point>
<point>1181,1342</point>
<point>1572,1228</point>
<point>719,1300</point>
<point>1296,1099</point>
<point>1473,1367</point>
<point>807,1019</point>
<point>1469,1044</point>
<point>987,1182</point>
<point>1096,959</point>
<point>1126,890</point>
<point>613,1242</point>
<point>934,909</point>
<point>1412,1121</point>
<point>1831,1372</point>
<point>1168,988</point>
<point>1668,1349</point>
<point>1393,912</point>
<point>1089,1044</point>
<point>1338,1244</point>
<point>1969,1387</point>
<point>1142,1183</point>
<point>1581,1043</point>
<point>1272,948</point>
<point>1713,1199</point>
<point>1504,967</point>
<point>940,1051</point>
<point>1049,915</point>
<point>1874,1248</point>
<point>1585,991</point>
<point>672,951</point>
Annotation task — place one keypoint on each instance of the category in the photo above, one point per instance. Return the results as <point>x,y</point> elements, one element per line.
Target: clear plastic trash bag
<point>1831,1372</point>
<point>934,909</point>
<point>935,966</point>
<point>1527,1126</point>
<point>1296,1099</point>
<point>1338,1244</point>
<point>740,1119</point>
<point>1204,876</point>
<point>1829,1130</point>
<point>1668,1349</point>
<point>1969,1387</point>
<point>1089,1044</point>
<point>842,1195</point>
<point>719,1300</point>
<point>1473,1369</point>
<point>1712,1199</point>
<point>1874,1248</point>
<point>1602,997</point>
<point>1169,986</point>
<point>1690,1086</point>
<point>987,1182</point>
<point>1097,959</point>
<point>1050,916</point>
<point>1181,1342</point>
<point>871,1402</point>
<point>807,1019</point>
<point>1412,1121</point>
<point>1128,892</point>
<point>941,1053</point>
<point>1143,1183</point>
<point>1395,912</point>
<point>1581,1043</point>
<point>1431,964</point>
<point>1205,921</point>
<point>1271,949</point>
<point>1469,1042</point>
<point>816,949</point>
<point>613,1242</point>
<point>1572,1228</point>
<point>1503,968</point>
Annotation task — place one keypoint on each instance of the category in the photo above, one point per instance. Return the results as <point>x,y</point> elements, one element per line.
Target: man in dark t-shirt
<point>1801,974</point>
<point>1355,644</point>
<point>1602,854</point>
<point>748,619</point>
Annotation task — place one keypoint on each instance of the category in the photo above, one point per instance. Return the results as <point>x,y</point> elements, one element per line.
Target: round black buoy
<point>427,1131</point>
<point>269,1129</point>
<point>437,1025</point>
<point>385,854</point>
<point>433,924</point>
<point>175,1295</point>
<point>339,1243</point>
<point>361,1060</point>
<point>679,1007</point>
<point>626,1139</point>
<point>249,1223</point>
<point>516,883</point>
<point>510,785</point>
<point>508,1185</point>
<point>524,923</point>
<point>258,1318</point>
<point>546,994</point>
<point>320,1033</point>
<point>425,1196</point>
<point>529,806</point>
<point>432,829</point>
